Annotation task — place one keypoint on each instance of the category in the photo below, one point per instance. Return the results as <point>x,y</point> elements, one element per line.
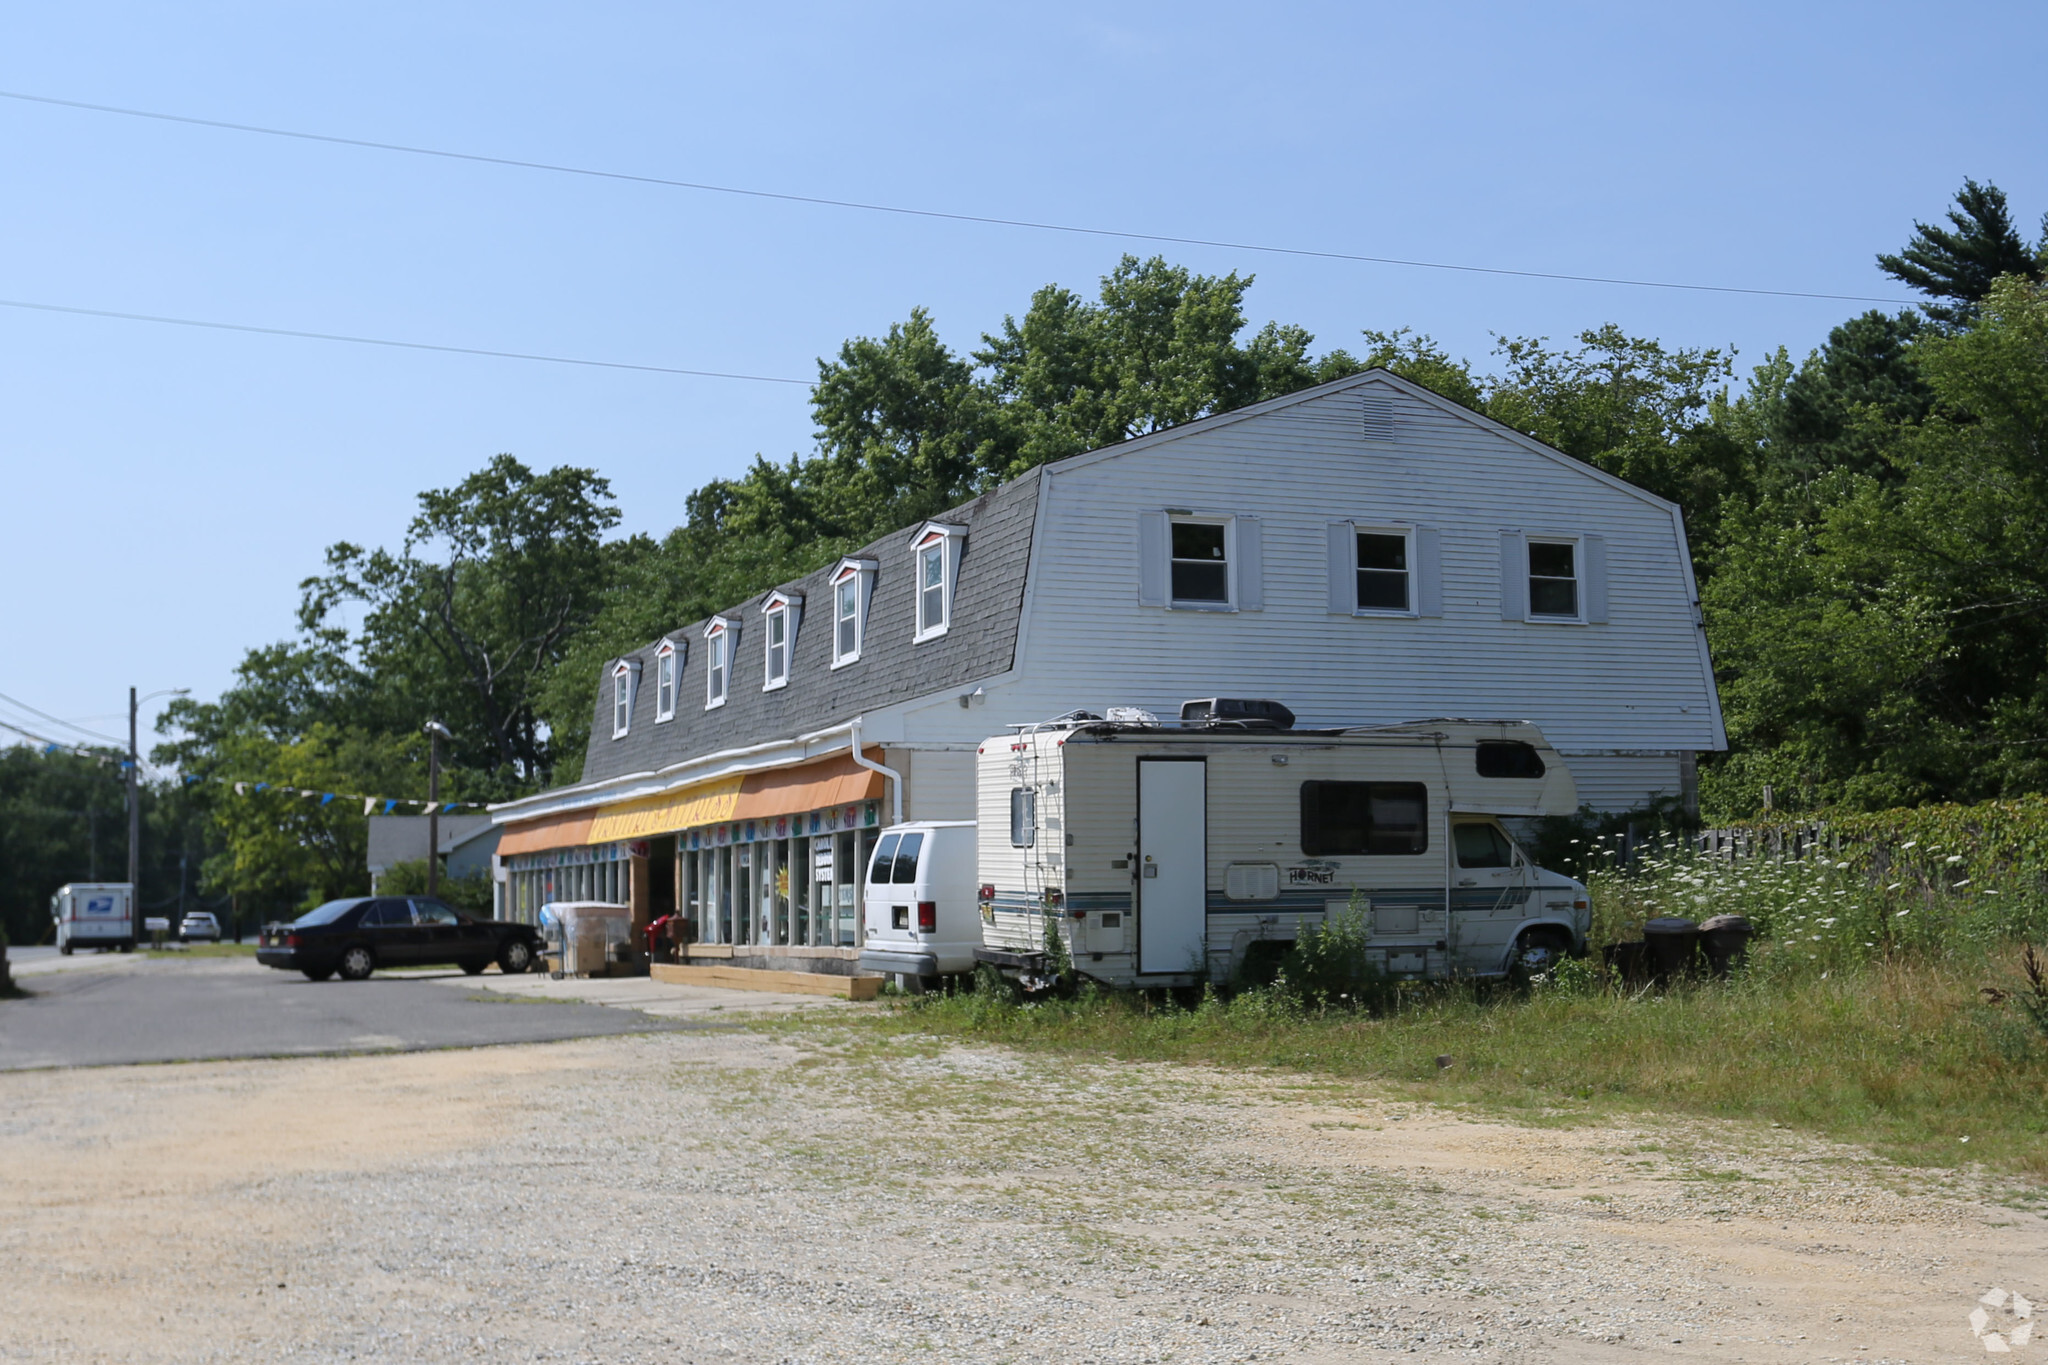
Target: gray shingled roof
<point>982,641</point>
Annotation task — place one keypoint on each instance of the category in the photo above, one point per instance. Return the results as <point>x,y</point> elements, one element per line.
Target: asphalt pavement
<point>113,1010</point>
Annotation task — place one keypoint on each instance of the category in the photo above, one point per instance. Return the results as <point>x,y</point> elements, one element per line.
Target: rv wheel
<point>1538,951</point>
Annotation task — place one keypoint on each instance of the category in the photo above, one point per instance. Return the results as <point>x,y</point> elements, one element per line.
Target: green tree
<point>1961,261</point>
<point>466,622</point>
<point>1883,636</point>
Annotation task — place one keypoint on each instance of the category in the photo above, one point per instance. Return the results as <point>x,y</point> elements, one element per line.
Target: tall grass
<point>1876,1012</point>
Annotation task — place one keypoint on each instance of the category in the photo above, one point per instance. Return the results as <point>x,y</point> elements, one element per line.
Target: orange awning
<point>553,831</point>
<point>835,781</point>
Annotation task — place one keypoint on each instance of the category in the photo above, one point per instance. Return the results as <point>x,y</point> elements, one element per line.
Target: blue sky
<point>170,487</point>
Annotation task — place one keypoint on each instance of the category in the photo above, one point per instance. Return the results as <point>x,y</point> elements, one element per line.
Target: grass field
<point>1894,1017</point>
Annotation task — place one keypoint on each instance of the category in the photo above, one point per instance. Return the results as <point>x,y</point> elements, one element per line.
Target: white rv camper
<point>1165,855</point>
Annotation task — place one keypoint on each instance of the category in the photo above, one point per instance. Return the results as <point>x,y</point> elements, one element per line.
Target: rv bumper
<point>899,964</point>
<point>1016,962</point>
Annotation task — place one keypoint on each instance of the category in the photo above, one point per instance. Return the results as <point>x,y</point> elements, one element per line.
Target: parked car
<point>354,937</point>
<point>199,927</point>
<point>922,918</point>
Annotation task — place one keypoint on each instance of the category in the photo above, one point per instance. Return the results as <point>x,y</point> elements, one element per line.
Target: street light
<point>135,809</point>
<point>435,732</point>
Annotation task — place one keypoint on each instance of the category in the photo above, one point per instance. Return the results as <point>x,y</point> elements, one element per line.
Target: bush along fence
<point>1832,889</point>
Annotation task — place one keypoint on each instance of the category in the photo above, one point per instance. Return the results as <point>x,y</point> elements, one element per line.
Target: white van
<point>1169,855</point>
<point>94,915</point>
<point>919,908</point>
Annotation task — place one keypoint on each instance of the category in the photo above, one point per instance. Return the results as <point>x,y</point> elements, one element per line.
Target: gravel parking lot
<point>814,1194</point>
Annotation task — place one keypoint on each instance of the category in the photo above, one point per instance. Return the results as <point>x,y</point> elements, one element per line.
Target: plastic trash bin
<point>1629,961</point>
<point>1726,941</point>
<point>1673,944</point>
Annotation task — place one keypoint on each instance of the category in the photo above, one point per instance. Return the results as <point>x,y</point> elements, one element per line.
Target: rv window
<point>1509,758</point>
<point>1482,846</point>
<point>906,859</point>
<point>885,859</point>
<point>1023,817</point>
<point>1371,818</point>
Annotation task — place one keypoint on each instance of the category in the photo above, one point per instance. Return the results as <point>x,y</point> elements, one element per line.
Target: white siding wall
<point>1625,782</point>
<point>1639,681</point>
<point>939,785</point>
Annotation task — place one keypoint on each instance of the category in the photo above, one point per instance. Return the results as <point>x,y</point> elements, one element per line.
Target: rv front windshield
<point>328,913</point>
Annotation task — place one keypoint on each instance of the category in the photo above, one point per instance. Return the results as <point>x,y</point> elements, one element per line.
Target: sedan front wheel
<point>515,957</point>
<point>357,962</point>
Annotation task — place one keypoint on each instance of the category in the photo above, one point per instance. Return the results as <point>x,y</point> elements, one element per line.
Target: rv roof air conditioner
<point>1236,713</point>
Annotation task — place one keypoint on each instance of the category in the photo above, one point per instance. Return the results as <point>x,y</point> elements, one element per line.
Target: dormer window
<point>719,638</point>
<point>853,585</point>
<point>624,674</point>
<point>779,620</point>
<point>936,569</point>
<point>668,666</point>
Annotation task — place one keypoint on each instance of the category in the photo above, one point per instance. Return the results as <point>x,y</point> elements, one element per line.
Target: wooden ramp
<point>759,979</point>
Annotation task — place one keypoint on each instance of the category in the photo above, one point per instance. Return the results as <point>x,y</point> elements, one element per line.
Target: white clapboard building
<point>1364,552</point>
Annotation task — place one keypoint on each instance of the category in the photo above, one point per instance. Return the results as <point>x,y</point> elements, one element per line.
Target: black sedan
<point>356,936</point>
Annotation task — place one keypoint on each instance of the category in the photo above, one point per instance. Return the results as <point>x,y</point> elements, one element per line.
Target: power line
<point>57,720</point>
<point>386,341</point>
<point>948,216</point>
<point>70,745</point>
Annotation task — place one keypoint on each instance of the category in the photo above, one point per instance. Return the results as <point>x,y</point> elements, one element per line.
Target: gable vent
<point>1378,422</point>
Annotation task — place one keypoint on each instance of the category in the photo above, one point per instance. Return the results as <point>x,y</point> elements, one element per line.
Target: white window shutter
<point>1514,577</point>
<point>1251,565</point>
<point>1596,578</point>
<point>1429,571</point>
<point>1152,559</point>
<point>1343,585</point>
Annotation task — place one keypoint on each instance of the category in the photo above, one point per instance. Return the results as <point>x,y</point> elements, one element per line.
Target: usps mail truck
<point>1169,854</point>
<point>94,915</point>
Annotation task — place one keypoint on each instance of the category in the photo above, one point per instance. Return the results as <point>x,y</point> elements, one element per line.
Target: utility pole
<point>134,828</point>
<point>135,807</point>
<point>436,732</point>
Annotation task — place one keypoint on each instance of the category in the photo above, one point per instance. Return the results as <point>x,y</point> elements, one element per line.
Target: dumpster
<point>1726,941</point>
<point>1674,942</point>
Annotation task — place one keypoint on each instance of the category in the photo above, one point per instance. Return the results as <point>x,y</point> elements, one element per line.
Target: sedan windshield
<point>328,913</point>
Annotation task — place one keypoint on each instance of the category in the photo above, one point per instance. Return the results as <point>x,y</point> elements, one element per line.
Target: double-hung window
<point>1559,579</point>
<point>622,698</point>
<point>779,618</point>
<point>1554,579</point>
<point>719,638</point>
<point>852,586</point>
<point>1389,569</point>
<point>935,570</point>
<point>1384,563</point>
<point>1200,563</point>
<point>667,667</point>
<point>931,589</point>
